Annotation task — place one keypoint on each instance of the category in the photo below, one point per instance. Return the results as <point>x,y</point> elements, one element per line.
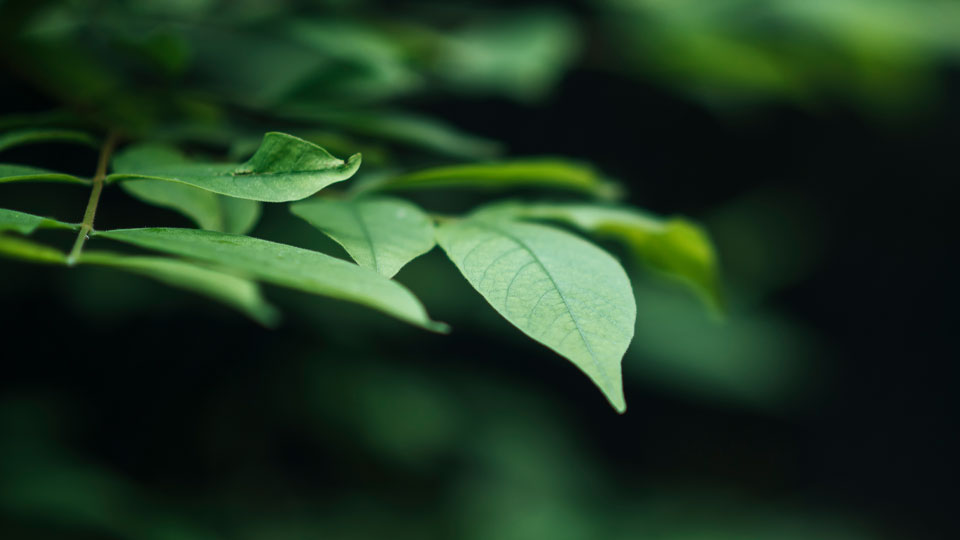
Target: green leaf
<point>557,288</point>
<point>520,56</point>
<point>24,173</point>
<point>21,248</point>
<point>539,173</point>
<point>675,247</point>
<point>380,233</point>
<point>209,210</point>
<point>23,223</point>
<point>284,168</point>
<point>285,265</point>
<point>236,292</point>
<point>32,136</point>
<point>409,129</point>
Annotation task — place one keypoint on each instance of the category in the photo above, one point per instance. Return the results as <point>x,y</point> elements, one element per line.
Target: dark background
<point>214,419</point>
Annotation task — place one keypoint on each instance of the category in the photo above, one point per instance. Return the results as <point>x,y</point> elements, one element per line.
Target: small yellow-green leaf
<point>284,168</point>
<point>557,288</point>
<point>284,265</point>
<point>674,246</point>
<point>379,233</point>
<point>539,173</point>
<point>239,293</point>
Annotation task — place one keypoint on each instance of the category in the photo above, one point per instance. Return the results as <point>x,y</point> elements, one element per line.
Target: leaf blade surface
<point>234,291</point>
<point>558,289</point>
<point>285,168</point>
<point>380,233</point>
<point>24,223</point>
<point>284,265</point>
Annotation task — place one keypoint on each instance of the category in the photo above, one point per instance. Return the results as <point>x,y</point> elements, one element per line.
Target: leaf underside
<point>558,289</point>
<point>284,265</point>
<point>380,233</point>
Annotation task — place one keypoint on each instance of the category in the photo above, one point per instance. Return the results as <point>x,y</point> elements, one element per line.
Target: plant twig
<point>86,227</point>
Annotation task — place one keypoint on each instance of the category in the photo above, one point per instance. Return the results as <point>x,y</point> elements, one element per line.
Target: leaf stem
<point>86,227</point>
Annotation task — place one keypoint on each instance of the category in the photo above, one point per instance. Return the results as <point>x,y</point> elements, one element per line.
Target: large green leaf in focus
<point>209,210</point>
<point>289,266</point>
<point>23,223</point>
<point>236,292</point>
<point>284,168</point>
<point>33,136</point>
<point>379,233</point>
<point>672,246</point>
<point>557,288</point>
<point>24,173</point>
<point>540,173</point>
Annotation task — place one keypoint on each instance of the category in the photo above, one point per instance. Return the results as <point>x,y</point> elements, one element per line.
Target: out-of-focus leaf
<point>23,223</point>
<point>289,266</point>
<point>365,63</point>
<point>673,246</point>
<point>236,292</point>
<point>55,119</point>
<point>284,168</point>
<point>20,248</point>
<point>24,173</point>
<point>247,67</point>
<point>540,173</point>
<point>879,54</point>
<point>32,136</point>
<point>520,56</point>
<point>410,129</point>
<point>560,290</point>
<point>379,233</point>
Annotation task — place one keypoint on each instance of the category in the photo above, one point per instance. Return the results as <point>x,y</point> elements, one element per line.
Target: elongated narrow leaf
<point>24,173</point>
<point>23,223</point>
<point>209,210</point>
<point>236,292</point>
<point>33,136</point>
<point>558,289</point>
<point>27,250</point>
<point>285,265</point>
<point>412,130</point>
<point>539,173</point>
<point>673,246</point>
<point>379,233</point>
<point>283,169</point>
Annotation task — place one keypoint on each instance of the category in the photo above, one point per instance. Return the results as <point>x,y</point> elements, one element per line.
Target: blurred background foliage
<point>815,408</point>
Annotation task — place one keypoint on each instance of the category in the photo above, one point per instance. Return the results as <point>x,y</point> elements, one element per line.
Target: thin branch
<point>86,227</point>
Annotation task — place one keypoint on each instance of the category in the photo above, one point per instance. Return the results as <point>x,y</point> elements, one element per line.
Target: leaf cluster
<point>194,150</point>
